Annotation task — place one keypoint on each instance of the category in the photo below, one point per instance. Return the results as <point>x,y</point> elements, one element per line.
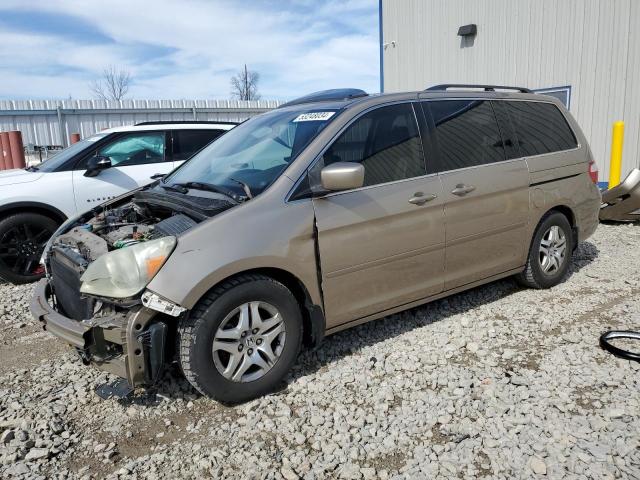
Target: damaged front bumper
<point>129,344</point>
<point>622,202</point>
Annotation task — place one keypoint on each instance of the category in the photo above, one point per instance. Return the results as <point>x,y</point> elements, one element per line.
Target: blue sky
<point>187,49</point>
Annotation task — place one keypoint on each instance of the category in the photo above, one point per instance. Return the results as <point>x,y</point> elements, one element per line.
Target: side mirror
<point>96,164</point>
<point>342,176</point>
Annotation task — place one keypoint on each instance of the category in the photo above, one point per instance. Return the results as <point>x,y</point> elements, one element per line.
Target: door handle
<point>420,198</point>
<point>461,189</point>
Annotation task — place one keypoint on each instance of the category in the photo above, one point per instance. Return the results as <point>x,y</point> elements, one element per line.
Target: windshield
<point>53,163</point>
<point>256,152</point>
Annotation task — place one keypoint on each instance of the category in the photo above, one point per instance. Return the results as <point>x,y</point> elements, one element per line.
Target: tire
<point>203,366</point>
<point>23,237</point>
<point>534,275</point>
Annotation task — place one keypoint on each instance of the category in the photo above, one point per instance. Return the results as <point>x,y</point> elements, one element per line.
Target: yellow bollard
<point>615,168</point>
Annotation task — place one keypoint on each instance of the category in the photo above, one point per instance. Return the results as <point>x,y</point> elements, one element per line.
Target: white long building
<point>586,52</point>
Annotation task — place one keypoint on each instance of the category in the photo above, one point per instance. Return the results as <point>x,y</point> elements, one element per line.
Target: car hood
<point>11,177</point>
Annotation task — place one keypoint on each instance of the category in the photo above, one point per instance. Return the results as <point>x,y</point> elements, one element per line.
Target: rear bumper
<point>587,213</point>
<point>128,345</point>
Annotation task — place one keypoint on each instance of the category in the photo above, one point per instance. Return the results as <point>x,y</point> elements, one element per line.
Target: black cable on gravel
<point>619,352</point>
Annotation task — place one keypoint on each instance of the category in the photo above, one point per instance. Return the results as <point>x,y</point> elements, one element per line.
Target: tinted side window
<point>386,141</point>
<point>540,128</point>
<point>507,130</point>
<point>467,133</point>
<point>186,143</point>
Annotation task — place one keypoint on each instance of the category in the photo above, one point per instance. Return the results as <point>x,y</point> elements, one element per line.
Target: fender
<point>18,207</point>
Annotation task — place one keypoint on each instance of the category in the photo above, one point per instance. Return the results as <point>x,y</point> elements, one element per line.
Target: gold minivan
<point>327,212</point>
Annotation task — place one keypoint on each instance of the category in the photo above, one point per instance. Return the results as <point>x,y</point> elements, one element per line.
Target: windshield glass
<point>53,163</point>
<point>257,151</point>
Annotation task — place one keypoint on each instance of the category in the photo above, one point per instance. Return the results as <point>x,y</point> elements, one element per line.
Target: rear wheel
<point>23,237</point>
<point>550,253</point>
<point>241,339</point>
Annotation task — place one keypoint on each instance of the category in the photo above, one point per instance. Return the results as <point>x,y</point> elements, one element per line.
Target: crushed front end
<point>94,296</point>
<point>126,342</point>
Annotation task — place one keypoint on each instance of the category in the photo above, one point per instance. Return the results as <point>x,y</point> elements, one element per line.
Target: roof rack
<point>486,88</point>
<point>328,95</point>
<point>185,122</point>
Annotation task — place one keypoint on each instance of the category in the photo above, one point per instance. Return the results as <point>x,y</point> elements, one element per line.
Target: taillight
<point>593,171</point>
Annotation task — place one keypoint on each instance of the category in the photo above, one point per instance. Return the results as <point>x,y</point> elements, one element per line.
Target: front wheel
<point>23,237</point>
<point>241,339</point>
<point>550,253</point>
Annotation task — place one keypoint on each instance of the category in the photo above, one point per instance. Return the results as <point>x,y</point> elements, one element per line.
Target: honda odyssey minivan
<point>332,210</point>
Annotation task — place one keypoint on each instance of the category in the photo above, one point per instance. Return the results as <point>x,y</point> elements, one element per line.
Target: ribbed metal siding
<point>592,45</point>
<point>42,127</point>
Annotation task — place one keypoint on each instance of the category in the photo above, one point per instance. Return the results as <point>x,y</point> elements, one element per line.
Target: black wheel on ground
<point>550,252</point>
<point>23,237</point>
<point>241,339</point>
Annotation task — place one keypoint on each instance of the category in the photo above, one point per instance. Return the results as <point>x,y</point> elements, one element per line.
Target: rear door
<point>486,196</point>
<point>135,157</point>
<point>186,143</point>
<point>381,245</point>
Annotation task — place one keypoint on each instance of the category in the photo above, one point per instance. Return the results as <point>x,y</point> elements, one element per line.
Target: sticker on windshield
<point>314,117</point>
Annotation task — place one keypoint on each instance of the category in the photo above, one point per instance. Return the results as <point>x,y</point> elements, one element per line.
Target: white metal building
<point>586,52</point>
<point>51,122</point>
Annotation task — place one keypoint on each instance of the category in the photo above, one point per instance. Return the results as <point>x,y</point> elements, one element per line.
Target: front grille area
<point>65,281</point>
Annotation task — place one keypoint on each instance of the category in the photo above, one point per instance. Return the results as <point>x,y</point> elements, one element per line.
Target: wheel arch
<point>566,211</point>
<point>571,217</point>
<point>312,314</point>
<point>32,207</point>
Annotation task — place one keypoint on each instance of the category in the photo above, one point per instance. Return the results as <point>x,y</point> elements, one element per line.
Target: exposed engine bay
<point>120,228</point>
<point>149,215</point>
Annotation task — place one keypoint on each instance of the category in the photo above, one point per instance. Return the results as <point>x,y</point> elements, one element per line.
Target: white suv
<point>36,200</point>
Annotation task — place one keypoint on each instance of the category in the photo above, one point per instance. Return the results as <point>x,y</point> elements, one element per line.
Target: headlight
<point>123,273</point>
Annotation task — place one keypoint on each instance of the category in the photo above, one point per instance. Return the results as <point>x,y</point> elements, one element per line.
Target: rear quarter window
<point>540,128</point>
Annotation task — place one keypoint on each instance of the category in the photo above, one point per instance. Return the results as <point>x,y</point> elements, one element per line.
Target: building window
<point>561,93</point>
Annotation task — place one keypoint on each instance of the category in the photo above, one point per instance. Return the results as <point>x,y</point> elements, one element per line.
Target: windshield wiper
<point>175,188</point>
<point>245,187</point>
<point>207,187</point>
<point>31,168</point>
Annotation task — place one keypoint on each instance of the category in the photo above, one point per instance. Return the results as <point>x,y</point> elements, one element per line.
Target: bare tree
<point>244,85</point>
<point>113,85</point>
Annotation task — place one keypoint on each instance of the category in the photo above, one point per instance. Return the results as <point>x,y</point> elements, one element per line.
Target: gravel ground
<point>497,382</point>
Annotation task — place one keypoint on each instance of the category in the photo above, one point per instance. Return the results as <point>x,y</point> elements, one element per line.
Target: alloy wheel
<point>21,248</point>
<point>553,247</point>
<point>249,342</point>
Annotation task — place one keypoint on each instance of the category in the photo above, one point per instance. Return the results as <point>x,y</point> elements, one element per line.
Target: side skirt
<point>416,303</point>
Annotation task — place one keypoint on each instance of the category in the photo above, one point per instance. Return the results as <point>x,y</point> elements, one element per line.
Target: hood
<point>12,177</point>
